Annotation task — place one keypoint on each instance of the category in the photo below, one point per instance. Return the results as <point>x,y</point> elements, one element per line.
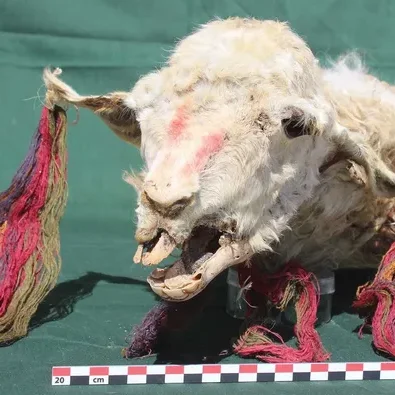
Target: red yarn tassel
<point>30,210</point>
<point>375,302</point>
<point>293,282</point>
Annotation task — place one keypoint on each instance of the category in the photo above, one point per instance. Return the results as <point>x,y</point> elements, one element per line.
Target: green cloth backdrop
<point>105,46</point>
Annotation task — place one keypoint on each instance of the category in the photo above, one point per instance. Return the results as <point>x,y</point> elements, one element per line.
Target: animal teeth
<point>163,248</point>
<point>139,254</point>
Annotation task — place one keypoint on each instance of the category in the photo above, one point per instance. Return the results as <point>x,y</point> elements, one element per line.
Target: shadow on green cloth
<point>210,335</point>
<point>347,283</point>
<point>210,339</point>
<point>60,302</point>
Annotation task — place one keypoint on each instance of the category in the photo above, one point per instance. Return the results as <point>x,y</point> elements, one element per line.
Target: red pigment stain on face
<point>178,123</point>
<point>210,145</point>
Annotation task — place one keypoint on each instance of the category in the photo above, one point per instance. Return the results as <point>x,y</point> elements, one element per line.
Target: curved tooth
<point>139,254</point>
<point>163,248</point>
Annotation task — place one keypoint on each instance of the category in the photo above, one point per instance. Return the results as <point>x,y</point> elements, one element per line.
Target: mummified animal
<point>253,151</point>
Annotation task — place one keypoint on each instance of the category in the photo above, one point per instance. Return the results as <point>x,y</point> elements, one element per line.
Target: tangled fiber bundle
<point>30,210</point>
<point>376,303</point>
<point>292,283</point>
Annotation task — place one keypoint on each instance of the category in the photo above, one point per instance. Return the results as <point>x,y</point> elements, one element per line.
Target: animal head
<point>235,131</point>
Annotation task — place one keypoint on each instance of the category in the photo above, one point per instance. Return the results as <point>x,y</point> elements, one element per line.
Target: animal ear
<point>351,145</point>
<point>111,108</point>
<point>317,118</point>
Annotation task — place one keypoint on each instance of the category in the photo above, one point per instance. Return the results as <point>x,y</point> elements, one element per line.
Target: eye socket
<point>294,127</point>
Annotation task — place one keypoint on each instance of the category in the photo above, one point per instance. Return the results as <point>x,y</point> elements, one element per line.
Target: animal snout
<point>168,206</point>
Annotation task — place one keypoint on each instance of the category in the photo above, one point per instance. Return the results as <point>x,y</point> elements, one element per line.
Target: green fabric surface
<point>105,46</point>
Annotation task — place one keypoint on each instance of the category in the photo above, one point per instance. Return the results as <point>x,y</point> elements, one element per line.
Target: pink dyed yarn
<point>292,282</point>
<point>375,302</point>
<point>23,215</point>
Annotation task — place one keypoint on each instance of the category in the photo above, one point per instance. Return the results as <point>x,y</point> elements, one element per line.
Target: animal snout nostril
<point>181,202</point>
<point>165,206</point>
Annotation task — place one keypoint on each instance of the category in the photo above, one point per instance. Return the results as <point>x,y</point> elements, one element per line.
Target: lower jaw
<point>175,284</point>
